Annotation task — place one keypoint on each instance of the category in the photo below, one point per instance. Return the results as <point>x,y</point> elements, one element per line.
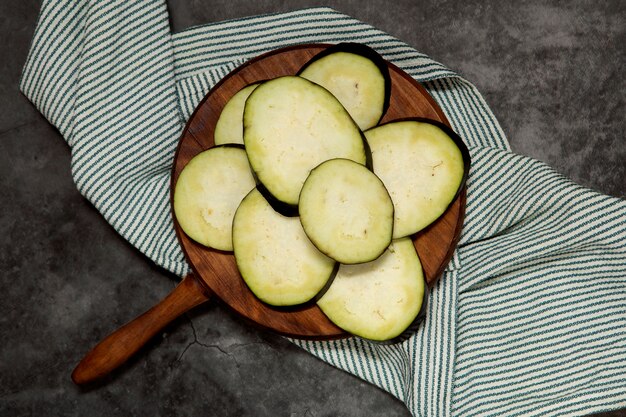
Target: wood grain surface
<point>217,270</point>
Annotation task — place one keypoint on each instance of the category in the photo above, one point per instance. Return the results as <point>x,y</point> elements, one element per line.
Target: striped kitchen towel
<point>529,318</point>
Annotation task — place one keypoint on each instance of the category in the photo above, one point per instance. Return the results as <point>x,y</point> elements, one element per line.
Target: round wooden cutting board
<point>217,270</point>
<point>215,273</point>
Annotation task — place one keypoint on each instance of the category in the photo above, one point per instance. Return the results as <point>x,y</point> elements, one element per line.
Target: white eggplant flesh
<point>346,211</point>
<point>380,300</point>
<point>357,82</point>
<point>422,168</point>
<point>275,257</point>
<point>229,126</point>
<point>208,192</point>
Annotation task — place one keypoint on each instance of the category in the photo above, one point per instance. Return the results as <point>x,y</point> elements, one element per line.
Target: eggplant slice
<point>274,256</point>
<point>208,192</point>
<point>346,211</point>
<point>229,126</point>
<point>383,300</point>
<point>291,125</point>
<point>423,165</point>
<point>357,75</point>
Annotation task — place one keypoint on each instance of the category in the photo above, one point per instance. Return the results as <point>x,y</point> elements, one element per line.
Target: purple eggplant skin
<point>230,145</point>
<point>369,162</point>
<point>364,51</point>
<point>286,209</point>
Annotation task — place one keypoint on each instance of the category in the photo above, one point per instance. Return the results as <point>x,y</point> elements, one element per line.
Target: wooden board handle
<point>123,343</point>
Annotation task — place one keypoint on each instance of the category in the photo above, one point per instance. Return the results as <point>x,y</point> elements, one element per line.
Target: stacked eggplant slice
<point>318,200</point>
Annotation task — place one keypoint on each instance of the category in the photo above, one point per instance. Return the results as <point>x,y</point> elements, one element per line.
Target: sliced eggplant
<point>291,125</point>
<point>379,300</point>
<point>423,165</point>
<point>208,192</point>
<point>274,256</point>
<point>229,126</point>
<point>357,75</point>
<point>346,211</point>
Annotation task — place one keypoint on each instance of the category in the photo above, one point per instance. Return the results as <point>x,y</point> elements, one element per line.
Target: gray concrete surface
<point>552,72</point>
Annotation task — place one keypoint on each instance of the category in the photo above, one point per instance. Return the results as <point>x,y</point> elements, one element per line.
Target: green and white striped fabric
<point>528,319</point>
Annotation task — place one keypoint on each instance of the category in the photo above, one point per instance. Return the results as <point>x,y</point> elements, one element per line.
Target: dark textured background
<point>552,73</point>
